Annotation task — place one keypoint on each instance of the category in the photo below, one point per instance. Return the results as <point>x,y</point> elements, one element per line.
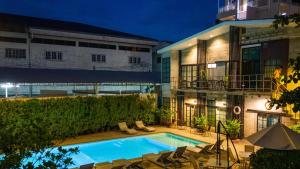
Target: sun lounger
<point>164,160</point>
<point>119,164</point>
<point>87,166</point>
<point>104,165</point>
<point>123,127</point>
<point>135,165</point>
<point>179,156</point>
<point>140,125</point>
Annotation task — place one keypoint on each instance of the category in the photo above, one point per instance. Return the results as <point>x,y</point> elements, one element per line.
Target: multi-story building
<point>226,72</point>
<point>256,9</point>
<point>45,51</point>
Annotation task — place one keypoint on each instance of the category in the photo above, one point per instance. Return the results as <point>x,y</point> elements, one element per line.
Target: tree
<point>284,20</point>
<point>26,142</point>
<point>288,97</point>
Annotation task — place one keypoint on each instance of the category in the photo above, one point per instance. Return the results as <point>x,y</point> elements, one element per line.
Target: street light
<point>6,86</point>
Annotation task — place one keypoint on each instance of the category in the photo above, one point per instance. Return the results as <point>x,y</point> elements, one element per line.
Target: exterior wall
<point>75,57</point>
<point>294,48</point>
<point>189,56</point>
<point>218,49</point>
<point>7,62</point>
<point>257,103</point>
<point>174,70</point>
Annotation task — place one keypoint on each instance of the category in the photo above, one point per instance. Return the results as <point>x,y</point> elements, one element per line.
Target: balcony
<point>227,12</point>
<point>254,83</point>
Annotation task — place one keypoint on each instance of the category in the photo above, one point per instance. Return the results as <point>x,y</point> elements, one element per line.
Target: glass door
<point>190,115</point>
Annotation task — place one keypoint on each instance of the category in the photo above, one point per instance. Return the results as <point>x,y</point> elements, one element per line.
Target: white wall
<point>75,57</point>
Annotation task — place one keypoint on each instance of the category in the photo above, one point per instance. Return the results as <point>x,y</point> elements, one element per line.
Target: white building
<point>36,43</point>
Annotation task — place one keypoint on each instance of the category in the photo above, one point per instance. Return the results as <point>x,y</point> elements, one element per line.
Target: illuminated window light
<point>211,65</point>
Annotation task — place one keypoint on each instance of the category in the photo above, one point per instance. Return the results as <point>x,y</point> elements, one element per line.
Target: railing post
<point>256,82</point>
<point>264,83</point>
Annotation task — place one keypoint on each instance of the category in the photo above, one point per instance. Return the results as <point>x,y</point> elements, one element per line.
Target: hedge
<point>275,159</point>
<point>71,116</point>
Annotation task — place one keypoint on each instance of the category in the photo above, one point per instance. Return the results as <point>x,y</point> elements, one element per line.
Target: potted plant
<point>165,116</point>
<point>201,123</point>
<point>233,128</point>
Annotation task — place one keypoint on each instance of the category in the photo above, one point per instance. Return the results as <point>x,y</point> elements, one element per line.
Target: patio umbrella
<point>277,137</point>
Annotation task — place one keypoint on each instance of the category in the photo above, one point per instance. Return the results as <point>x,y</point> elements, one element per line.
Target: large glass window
<point>251,60</point>
<point>270,66</point>
<point>166,70</point>
<point>189,75</point>
<point>221,115</point>
<point>264,121</point>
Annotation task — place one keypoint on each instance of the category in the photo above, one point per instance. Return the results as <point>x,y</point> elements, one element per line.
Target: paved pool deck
<point>186,132</point>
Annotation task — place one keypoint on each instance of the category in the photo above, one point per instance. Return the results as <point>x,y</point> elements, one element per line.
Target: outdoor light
<point>6,86</point>
<point>211,36</point>
<point>212,65</point>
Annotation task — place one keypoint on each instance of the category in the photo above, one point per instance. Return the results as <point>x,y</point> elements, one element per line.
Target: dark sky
<point>161,19</point>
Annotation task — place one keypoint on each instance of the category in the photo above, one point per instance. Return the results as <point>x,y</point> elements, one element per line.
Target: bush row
<point>79,115</point>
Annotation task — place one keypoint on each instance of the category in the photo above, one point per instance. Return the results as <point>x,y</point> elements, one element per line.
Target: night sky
<point>170,20</point>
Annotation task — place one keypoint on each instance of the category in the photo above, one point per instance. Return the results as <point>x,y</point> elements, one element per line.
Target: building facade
<point>256,9</point>
<point>226,72</point>
<point>36,43</point>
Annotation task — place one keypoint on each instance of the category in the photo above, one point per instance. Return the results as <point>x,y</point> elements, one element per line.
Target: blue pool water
<point>128,148</point>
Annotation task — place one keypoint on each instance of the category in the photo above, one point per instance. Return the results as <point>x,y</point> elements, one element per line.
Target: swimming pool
<point>128,148</point>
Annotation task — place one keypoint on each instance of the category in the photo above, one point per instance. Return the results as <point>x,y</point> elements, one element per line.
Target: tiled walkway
<point>117,134</point>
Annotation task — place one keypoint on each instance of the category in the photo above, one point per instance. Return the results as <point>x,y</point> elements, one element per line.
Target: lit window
<point>212,65</point>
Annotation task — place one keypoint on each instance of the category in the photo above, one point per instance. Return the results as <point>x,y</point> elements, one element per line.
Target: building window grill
<point>97,45</point>
<point>134,49</point>
<point>54,55</point>
<point>15,53</point>
<point>134,60</point>
<point>100,58</point>
<point>11,39</point>
<point>53,42</point>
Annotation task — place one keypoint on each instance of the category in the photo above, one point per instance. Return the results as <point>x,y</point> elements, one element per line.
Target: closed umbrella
<point>277,137</point>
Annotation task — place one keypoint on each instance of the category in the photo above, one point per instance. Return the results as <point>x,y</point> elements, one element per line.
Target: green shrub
<point>165,116</point>
<point>275,159</point>
<point>201,123</point>
<point>296,127</point>
<point>233,127</point>
<point>71,116</point>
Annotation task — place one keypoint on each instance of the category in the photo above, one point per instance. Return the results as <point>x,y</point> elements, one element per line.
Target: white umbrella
<point>277,137</point>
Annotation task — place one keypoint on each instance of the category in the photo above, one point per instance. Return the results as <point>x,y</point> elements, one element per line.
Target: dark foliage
<point>275,159</point>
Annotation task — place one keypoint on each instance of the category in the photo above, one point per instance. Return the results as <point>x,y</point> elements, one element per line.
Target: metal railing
<point>226,8</point>
<point>256,82</point>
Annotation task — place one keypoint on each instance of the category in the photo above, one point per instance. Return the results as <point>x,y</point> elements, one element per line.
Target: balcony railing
<point>255,82</point>
<point>229,7</point>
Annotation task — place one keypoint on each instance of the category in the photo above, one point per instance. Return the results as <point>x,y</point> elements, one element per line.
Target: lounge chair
<point>164,160</point>
<point>87,166</point>
<point>135,165</point>
<point>119,167</point>
<point>179,156</point>
<point>119,164</point>
<point>123,127</point>
<point>140,125</point>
